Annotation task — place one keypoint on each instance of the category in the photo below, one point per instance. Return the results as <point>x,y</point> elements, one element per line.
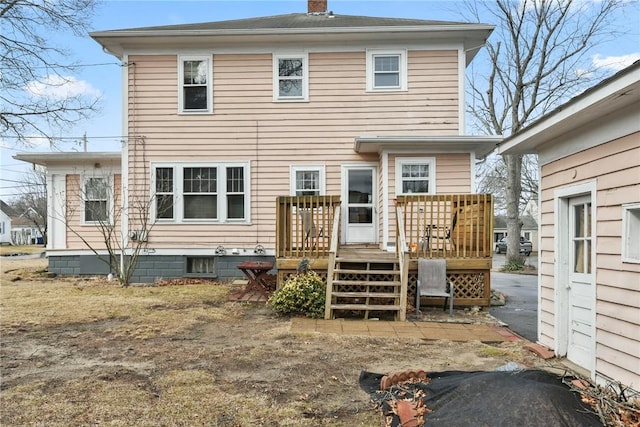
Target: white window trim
<point>110,198</point>
<point>209,61</point>
<point>305,76</point>
<point>431,161</point>
<point>299,168</point>
<point>403,64</point>
<point>178,186</point>
<point>626,240</point>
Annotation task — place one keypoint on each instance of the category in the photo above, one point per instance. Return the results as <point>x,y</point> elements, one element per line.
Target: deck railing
<point>448,225</point>
<point>304,225</point>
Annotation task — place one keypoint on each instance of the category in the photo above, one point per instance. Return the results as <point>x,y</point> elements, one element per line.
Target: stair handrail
<point>402,251</point>
<point>331,263</point>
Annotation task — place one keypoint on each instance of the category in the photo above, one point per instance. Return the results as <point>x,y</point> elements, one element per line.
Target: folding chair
<point>432,282</point>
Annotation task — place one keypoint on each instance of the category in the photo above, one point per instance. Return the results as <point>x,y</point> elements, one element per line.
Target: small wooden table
<point>255,272</point>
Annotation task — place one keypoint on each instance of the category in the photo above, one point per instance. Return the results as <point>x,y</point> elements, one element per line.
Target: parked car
<point>525,246</point>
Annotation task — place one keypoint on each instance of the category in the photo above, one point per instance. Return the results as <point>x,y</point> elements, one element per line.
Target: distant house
<point>5,223</point>
<point>589,156</point>
<point>529,229</point>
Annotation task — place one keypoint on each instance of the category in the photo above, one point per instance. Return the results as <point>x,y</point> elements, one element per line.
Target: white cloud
<point>61,87</point>
<point>614,63</point>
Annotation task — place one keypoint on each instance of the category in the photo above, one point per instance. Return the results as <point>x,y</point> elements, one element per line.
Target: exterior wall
<point>5,228</point>
<point>247,125</point>
<point>615,167</point>
<point>150,267</point>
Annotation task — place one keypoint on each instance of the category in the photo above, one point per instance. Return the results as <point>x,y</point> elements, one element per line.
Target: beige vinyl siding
<point>246,125</point>
<point>74,213</point>
<point>616,168</point>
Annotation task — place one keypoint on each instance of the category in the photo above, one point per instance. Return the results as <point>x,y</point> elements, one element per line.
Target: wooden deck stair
<point>365,281</point>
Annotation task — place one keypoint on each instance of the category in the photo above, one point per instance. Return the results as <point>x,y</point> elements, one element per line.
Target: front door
<point>580,295</point>
<point>359,211</point>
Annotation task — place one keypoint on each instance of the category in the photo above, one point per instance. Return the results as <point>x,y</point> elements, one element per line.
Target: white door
<point>359,211</point>
<point>581,283</point>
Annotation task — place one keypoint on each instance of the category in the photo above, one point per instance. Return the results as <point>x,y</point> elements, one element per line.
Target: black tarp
<point>495,399</point>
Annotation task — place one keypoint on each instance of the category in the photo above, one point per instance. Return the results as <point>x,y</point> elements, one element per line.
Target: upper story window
<point>96,200</point>
<point>631,232</point>
<point>290,77</point>
<point>195,84</point>
<point>213,192</point>
<point>307,180</point>
<point>386,70</point>
<point>415,176</point>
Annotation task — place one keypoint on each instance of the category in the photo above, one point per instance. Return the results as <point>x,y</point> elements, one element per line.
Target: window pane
<point>290,87</point>
<point>360,215</point>
<point>308,183</point>
<point>95,211</point>
<point>578,264</point>
<point>200,180</point>
<point>290,67</point>
<point>387,63</point>
<point>200,207</point>
<point>96,188</point>
<point>195,98</point>
<point>235,206</point>
<point>387,80</point>
<point>579,218</point>
<point>195,72</point>
<point>164,180</point>
<point>587,220</point>
<point>201,265</point>
<point>235,179</point>
<point>164,206</point>
<point>415,186</point>
<point>415,171</point>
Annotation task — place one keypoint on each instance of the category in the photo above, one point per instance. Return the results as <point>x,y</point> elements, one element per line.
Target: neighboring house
<point>24,231</point>
<point>589,155</point>
<point>223,119</point>
<point>529,229</point>
<point>5,223</point>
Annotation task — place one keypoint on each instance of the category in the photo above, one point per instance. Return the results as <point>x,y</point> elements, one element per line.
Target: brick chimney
<point>317,6</point>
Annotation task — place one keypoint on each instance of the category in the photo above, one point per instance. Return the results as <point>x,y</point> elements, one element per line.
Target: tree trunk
<point>514,188</point>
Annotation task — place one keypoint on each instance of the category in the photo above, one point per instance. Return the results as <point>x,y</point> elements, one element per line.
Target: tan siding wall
<point>248,126</point>
<point>617,170</point>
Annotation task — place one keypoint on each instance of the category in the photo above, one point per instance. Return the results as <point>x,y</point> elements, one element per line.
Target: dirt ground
<point>77,351</point>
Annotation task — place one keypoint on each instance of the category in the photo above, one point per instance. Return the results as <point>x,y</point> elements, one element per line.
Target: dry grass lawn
<point>81,351</point>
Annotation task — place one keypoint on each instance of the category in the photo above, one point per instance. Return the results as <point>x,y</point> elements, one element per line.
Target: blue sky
<point>102,73</point>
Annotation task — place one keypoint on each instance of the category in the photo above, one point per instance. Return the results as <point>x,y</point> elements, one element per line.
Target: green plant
<point>301,294</point>
<point>515,264</point>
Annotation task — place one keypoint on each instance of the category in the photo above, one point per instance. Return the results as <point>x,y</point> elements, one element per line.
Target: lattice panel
<point>465,285</point>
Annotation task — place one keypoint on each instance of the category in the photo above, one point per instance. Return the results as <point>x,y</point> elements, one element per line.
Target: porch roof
<point>69,158</point>
<point>481,145</point>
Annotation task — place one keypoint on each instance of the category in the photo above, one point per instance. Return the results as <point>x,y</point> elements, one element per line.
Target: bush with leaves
<point>301,294</point>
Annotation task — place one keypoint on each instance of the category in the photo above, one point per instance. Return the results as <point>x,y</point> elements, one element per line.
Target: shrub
<point>301,294</point>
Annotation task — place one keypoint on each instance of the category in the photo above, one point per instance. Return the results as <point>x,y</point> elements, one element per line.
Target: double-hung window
<point>195,84</point>
<point>307,180</point>
<point>415,176</point>
<point>386,70</point>
<point>96,200</point>
<point>631,232</point>
<point>290,77</point>
<point>211,192</point>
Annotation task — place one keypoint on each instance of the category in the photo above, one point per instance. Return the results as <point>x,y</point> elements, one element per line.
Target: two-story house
<point>274,137</point>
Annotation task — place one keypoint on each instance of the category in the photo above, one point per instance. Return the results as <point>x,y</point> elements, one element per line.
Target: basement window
<point>201,267</point>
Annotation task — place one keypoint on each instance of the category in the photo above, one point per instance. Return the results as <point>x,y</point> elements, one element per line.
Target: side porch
<point>366,280</point>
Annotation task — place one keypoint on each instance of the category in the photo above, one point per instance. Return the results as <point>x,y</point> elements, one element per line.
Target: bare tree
<point>98,203</point>
<point>537,60</point>
<point>32,203</point>
<point>37,91</point>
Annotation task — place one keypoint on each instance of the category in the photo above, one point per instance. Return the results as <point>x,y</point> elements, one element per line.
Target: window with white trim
<point>96,192</point>
<point>195,76</point>
<point>386,70</point>
<point>415,175</point>
<point>290,77</point>
<point>631,232</point>
<point>211,192</point>
<point>307,180</point>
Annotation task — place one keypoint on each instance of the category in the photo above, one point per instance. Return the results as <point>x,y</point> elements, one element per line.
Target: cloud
<point>614,63</point>
<point>61,87</point>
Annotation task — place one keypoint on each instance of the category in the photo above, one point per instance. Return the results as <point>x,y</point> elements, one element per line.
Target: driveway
<point>520,312</point>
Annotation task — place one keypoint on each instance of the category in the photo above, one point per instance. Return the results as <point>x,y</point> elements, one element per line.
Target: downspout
<point>124,163</point>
